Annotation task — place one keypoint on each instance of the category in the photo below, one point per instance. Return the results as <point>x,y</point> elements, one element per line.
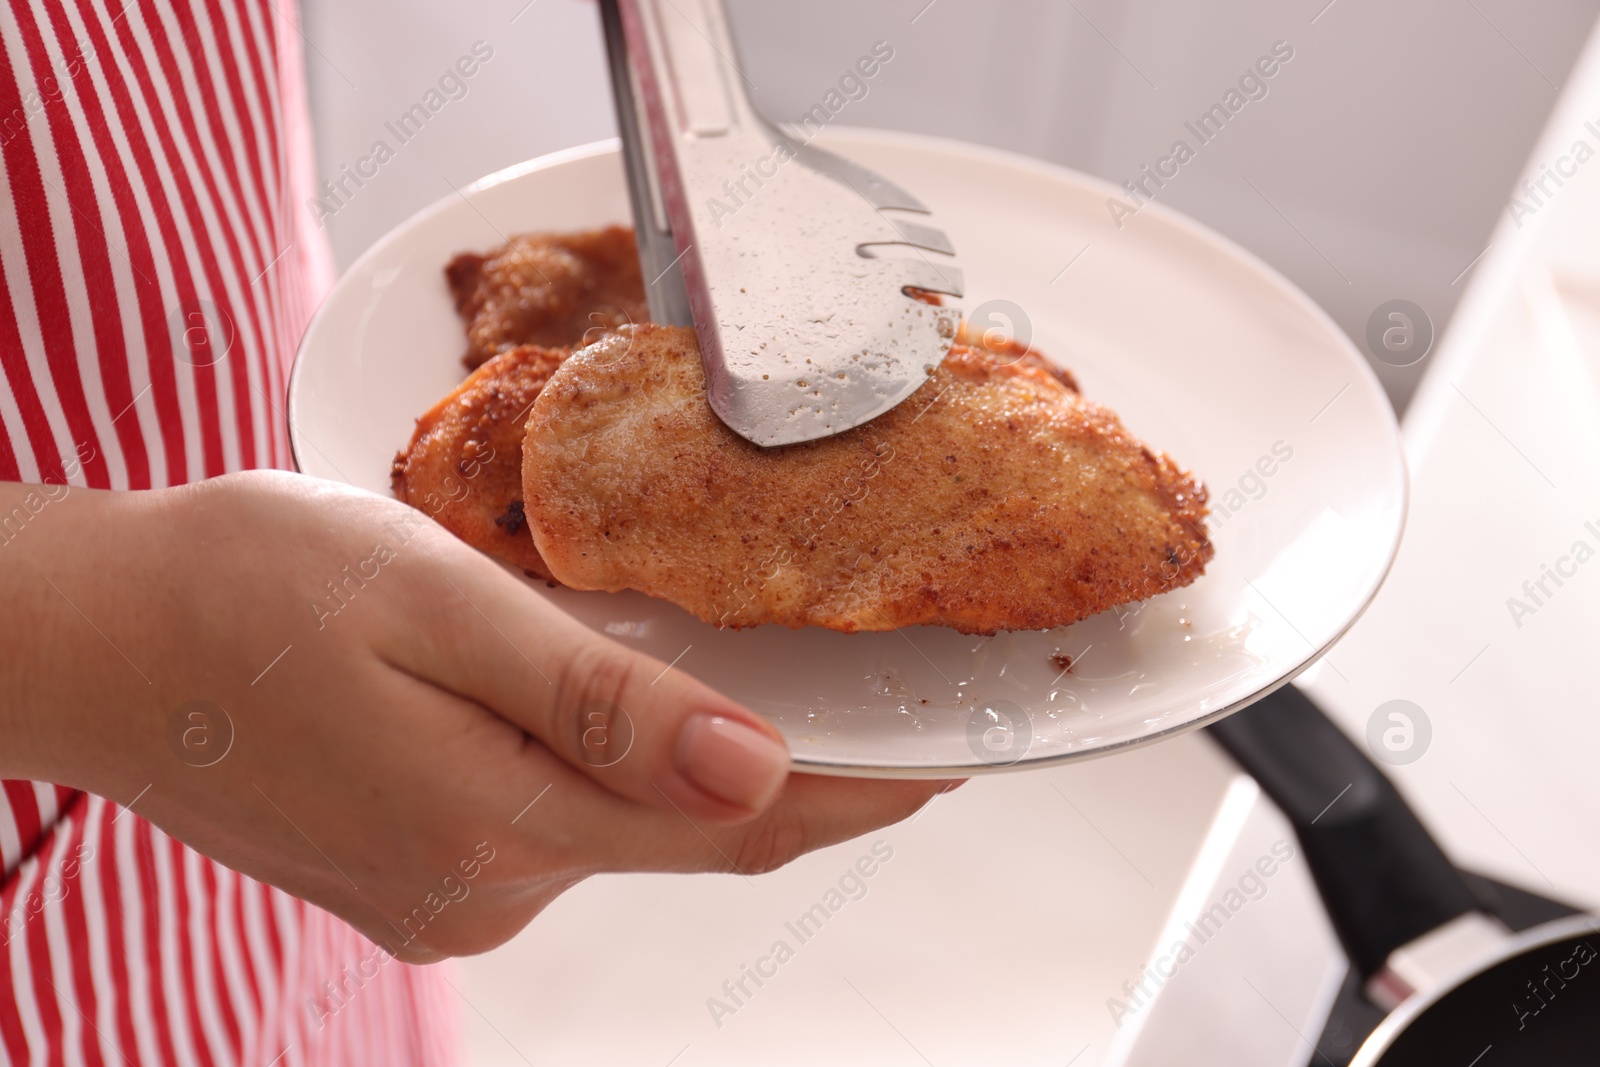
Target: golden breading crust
<point>464,463</point>
<point>549,289</point>
<point>995,498</point>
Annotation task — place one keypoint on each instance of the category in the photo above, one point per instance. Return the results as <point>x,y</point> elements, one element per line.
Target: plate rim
<point>1191,227</point>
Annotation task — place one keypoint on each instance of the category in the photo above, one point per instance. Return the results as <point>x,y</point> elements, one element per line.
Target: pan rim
<point>1382,1039</point>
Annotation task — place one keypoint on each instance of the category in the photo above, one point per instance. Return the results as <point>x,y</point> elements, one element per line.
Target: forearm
<point>62,551</point>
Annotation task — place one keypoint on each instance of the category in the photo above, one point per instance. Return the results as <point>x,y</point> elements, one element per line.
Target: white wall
<point>1379,158</point>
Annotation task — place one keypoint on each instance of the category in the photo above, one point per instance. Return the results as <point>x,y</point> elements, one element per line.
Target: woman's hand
<point>324,690</point>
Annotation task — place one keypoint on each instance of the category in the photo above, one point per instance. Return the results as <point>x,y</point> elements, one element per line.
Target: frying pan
<point>1461,990</point>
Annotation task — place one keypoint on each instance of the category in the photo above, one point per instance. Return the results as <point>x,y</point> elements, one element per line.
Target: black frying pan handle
<point>1383,879</point>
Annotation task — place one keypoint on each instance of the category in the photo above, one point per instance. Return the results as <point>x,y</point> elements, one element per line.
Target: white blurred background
<point>1380,158</point>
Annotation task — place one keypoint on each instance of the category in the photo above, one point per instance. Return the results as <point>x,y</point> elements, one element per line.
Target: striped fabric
<point>156,269</point>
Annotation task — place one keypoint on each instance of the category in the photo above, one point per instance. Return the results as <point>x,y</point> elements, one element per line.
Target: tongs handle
<point>804,329</point>
<point>659,258</point>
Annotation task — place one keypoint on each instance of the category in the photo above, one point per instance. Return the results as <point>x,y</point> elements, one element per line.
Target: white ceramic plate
<point>1205,352</point>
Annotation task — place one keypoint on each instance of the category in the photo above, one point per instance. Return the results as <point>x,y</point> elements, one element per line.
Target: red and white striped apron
<point>157,266</point>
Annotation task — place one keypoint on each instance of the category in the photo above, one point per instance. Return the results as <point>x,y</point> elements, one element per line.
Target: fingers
<point>652,735</point>
<point>625,745</point>
<point>619,835</point>
<point>813,812</point>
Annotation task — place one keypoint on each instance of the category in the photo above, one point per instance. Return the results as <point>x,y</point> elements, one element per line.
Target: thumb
<point>655,734</point>
<point>651,734</point>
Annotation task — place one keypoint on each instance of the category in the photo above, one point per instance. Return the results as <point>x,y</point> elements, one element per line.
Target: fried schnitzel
<point>525,306</point>
<point>547,289</point>
<point>995,498</point>
<point>463,465</point>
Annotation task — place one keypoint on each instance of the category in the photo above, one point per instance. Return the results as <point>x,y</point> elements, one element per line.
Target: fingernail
<point>731,761</point>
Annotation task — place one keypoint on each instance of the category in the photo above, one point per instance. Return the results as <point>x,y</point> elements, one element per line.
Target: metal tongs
<point>768,246</point>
